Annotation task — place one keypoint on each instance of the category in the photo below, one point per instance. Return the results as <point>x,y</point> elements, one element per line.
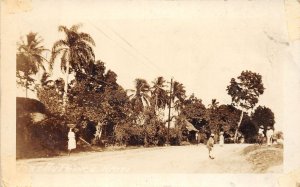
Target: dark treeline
<point>104,112</point>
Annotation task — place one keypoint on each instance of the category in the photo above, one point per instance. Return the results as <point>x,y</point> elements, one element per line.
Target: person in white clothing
<point>269,136</point>
<point>72,141</point>
<point>261,135</point>
<point>210,144</point>
<point>197,138</point>
<point>221,142</point>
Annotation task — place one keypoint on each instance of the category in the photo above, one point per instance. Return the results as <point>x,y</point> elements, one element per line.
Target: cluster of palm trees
<point>75,54</point>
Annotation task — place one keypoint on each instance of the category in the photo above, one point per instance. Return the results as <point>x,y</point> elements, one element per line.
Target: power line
<point>131,46</point>
<point>128,44</point>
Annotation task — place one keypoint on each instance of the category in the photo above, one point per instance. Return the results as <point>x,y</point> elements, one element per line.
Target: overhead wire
<point>146,61</point>
<point>131,46</point>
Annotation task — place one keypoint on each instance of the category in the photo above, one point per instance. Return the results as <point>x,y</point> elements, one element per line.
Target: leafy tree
<point>177,134</point>
<point>76,53</point>
<point>263,116</point>
<point>94,97</point>
<point>194,111</point>
<point>132,134</point>
<point>97,97</point>
<point>152,127</point>
<point>249,129</point>
<point>50,93</point>
<point>213,115</point>
<point>29,59</point>
<point>223,117</point>
<point>245,92</point>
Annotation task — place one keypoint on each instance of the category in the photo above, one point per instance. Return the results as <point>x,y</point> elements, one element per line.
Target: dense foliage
<point>104,113</point>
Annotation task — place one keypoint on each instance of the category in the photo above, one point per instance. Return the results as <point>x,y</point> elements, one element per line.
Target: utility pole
<point>169,116</point>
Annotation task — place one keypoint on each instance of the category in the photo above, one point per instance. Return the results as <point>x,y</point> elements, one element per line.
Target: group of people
<point>269,136</point>
<point>211,141</point>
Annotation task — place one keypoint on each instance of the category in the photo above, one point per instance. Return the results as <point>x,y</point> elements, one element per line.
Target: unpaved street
<point>173,159</point>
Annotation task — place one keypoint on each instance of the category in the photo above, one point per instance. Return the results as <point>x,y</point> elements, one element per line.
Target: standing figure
<point>221,142</point>
<point>210,145</point>
<point>72,141</point>
<point>197,137</point>
<point>269,136</point>
<point>260,136</point>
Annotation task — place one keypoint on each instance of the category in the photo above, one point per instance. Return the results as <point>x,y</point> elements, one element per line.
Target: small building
<point>191,132</point>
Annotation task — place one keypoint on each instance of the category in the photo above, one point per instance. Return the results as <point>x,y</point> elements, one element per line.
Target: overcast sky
<point>202,44</point>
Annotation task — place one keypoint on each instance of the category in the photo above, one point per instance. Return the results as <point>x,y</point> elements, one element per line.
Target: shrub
<point>51,133</point>
<point>44,138</point>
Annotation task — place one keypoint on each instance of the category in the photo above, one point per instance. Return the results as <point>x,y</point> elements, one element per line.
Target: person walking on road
<point>72,141</point>
<point>210,145</point>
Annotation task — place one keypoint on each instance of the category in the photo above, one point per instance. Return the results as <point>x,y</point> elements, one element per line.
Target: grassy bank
<point>263,158</point>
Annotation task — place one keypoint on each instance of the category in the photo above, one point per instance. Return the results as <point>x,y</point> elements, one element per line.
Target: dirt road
<point>173,159</point>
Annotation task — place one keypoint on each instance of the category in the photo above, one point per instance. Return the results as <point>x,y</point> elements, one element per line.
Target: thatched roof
<point>32,108</point>
<point>29,105</point>
<point>190,127</point>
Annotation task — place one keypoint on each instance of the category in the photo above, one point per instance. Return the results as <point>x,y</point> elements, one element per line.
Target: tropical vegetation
<point>92,99</point>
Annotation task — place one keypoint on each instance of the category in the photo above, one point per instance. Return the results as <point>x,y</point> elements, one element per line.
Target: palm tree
<point>141,97</point>
<point>159,95</point>
<point>214,104</point>
<point>29,58</point>
<point>179,93</point>
<point>76,53</point>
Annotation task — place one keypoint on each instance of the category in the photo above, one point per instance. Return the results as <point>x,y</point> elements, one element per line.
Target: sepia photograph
<point>109,90</point>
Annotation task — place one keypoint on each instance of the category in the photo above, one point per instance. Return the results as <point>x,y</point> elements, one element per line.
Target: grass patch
<point>264,157</point>
<point>250,149</point>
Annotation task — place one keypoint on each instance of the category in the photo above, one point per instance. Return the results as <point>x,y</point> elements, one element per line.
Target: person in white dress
<point>221,142</point>
<point>72,141</point>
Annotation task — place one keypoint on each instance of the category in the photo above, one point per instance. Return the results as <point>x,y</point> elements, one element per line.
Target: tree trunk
<point>169,115</point>
<point>240,121</point>
<point>156,108</point>
<point>65,98</point>
<point>145,137</point>
<point>26,89</point>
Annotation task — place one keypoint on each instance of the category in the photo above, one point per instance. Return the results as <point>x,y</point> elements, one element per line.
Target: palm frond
<point>54,54</point>
<point>63,28</point>
<point>87,38</point>
<point>64,59</point>
<point>59,43</point>
<point>75,27</point>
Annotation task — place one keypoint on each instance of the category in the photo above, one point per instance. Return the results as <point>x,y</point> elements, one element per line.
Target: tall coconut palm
<point>140,98</point>
<point>159,95</point>
<point>178,93</point>
<point>29,58</point>
<point>75,51</point>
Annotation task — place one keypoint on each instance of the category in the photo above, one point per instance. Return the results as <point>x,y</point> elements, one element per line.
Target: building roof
<point>190,127</point>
